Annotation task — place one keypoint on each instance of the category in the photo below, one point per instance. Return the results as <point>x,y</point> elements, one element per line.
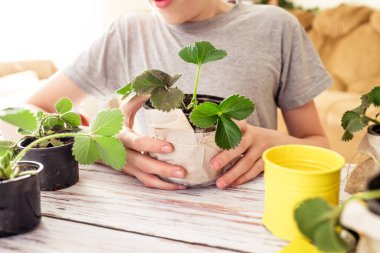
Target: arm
<point>304,128</point>
<point>57,86</point>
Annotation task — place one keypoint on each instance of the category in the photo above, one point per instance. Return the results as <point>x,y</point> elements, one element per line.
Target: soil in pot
<point>61,170</point>
<point>374,204</point>
<point>20,204</point>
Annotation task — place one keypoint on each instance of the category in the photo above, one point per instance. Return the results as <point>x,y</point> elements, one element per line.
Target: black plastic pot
<point>374,129</point>
<point>20,201</point>
<point>61,170</point>
<point>201,99</point>
<point>374,204</point>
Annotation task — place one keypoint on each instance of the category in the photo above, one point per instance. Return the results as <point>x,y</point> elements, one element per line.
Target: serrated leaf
<point>205,115</point>
<point>107,123</point>
<point>72,118</point>
<point>63,105</point>
<point>85,150</point>
<point>347,136</point>
<point>237,107</point>
<point>51,122</point>
<point>347,117</point>
<point>111,151</point>
<point>145,83</point>
<point>166,99</point>
<point>374,95</point>
<point>201,52</point>
<point>125,91</point>
<point>21,118</point>
<point>228,134</point>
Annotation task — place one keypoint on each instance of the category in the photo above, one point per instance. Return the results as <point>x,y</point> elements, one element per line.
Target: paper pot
<point>293,173</point>
<point>192,150</point>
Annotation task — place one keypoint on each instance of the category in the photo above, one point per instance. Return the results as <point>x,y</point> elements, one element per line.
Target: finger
<point>226,156</point>
<point>241,167</point>
<point>152,166</point>
<point>144,143</point>
<point>242,124</point>
<point>257,168</point>
<point>152,181</point>
<point>130,108</point>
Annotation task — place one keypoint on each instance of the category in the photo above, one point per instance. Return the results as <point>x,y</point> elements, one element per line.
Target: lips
<point>162,3</point>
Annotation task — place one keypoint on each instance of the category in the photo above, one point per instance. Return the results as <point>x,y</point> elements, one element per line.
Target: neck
<point>213,8</point>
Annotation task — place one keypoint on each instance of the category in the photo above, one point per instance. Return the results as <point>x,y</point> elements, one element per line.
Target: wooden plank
<point>61,236</point>
<point>229,219</point>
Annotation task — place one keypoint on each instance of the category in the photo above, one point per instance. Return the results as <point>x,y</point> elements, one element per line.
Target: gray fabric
<point>270,58</point>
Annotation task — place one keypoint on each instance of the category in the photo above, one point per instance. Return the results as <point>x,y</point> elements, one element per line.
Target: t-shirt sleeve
<point>99,70</point>
<point>303,75</point>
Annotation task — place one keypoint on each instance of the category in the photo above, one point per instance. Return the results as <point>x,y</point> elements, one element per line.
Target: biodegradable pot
<point>193,147</point>
<point>20,203</point>
<point>61,170</point>
<point>374,140</point>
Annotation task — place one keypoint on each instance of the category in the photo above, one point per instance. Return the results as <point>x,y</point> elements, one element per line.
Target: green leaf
<point>5,159</point>
<point>72,118</point>
<point>205,115</point>
<point>107,123</point>
<point>85,150</point>
<point>6,146</point>
<point>347,136</point>
<point>111,151</point>
<point>125,91</point>
<point>237,107</point>
<point>201,52</point>
<point>145,83</point>
<point>21,118</point>
<point>228,134</point>
<point>51,122</point>
<point>311,213</point>
<point>63,105</point>
<point>374,95</point>
<point>166,99</point>
<point>327,239</point>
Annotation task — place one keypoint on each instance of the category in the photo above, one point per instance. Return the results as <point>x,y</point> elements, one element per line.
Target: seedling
<point>356,119</point>
<point>98,142</point>
<point>319,221</point>
<point>163,96</point>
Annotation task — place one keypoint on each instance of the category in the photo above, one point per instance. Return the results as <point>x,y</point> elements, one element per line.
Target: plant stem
<point>373,120</point>
<point>34,143</point>
<point>194,101</point>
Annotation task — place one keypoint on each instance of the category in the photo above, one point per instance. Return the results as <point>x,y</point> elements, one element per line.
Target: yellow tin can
<point>293,173</point>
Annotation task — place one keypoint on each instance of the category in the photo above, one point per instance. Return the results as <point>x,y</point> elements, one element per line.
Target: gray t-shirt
<point>270,58</point>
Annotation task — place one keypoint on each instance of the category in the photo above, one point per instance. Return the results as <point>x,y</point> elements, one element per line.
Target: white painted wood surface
<point>109,208</point>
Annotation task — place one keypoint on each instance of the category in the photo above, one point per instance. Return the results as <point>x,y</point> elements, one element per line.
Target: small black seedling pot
<point>61,170</point>
<point>20,201</point>
<point>374,204</point>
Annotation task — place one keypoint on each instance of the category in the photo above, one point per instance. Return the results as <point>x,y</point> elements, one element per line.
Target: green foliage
<point>356,119</point>
<point>320,222</point>
<point>22,118</point>
<point>158,85</point>
<point>98,142</point>
<point>228,134</point>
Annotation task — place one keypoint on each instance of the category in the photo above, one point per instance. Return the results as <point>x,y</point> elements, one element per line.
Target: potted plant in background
<point>356,120</point>
<point>328,227</point>
<point>20,209</point>
<point>198,126</point>
<point>56,137</point>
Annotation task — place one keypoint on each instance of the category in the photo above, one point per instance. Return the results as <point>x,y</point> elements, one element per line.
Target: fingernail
<point>221,184</point>
<point>166,149</point>
<point>215,165</point>
<point>178,174</point>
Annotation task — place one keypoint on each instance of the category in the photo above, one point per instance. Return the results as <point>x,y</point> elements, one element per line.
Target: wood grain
<point>60,236</point>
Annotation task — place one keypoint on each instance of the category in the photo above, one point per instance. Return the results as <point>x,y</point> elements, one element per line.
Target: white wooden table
<point>111,212</point>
